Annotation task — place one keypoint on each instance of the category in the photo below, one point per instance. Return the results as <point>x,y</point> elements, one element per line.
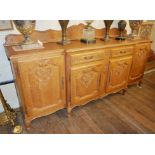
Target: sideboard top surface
<point>74,46</point>
<point>48,47</point>
<point>77,45</point>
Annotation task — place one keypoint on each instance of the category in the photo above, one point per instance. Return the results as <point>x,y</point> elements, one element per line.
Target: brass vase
<point>135,26</point>
<point>63,24</point>
<point>121,26</point>
<point>25,27</point>
<point>108,24</point>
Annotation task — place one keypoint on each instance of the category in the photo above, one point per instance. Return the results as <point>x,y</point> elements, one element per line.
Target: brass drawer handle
<point>143,49</point>
<point>88,57</point>
<point>122,52</point>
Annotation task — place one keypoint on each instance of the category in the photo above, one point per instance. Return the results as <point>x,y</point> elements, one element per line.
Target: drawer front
<point>88,56</point>
<point>122,51</point>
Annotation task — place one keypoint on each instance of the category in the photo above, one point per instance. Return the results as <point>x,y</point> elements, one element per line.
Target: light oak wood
<point>119,69</point>
<point>40,82</point>
<point>43,85</point>
<point>87,76</point>
<point>140,55</point>
<point>59,77</point>
<point>122,51</point>
<point>88,56</point>
<point>87,82</point>
<point>119,60</point>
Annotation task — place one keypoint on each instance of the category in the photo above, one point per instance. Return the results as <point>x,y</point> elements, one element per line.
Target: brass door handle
<point>126,63</point>
<point>88,57</point>
<point>122,52</point>
<point>62,82</point>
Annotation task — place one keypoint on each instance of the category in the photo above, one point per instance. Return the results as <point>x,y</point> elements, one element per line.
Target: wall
<point>5,70</point>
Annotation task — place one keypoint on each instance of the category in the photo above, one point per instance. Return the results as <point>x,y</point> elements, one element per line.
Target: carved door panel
<point>119,69</point>
<point>139,60</point>
<point>87,81</point>
<point>42,84</point>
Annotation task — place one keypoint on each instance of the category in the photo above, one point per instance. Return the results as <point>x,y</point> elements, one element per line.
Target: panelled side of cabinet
<point>140,55</point>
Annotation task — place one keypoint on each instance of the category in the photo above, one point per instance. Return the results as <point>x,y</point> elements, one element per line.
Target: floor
<point>132,113</point>
<point>150,65</point>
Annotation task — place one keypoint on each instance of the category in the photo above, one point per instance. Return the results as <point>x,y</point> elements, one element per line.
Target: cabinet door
<point>118,73</point>
<point>87,82</point>
<point>42,84</point>
<point>139,60</point>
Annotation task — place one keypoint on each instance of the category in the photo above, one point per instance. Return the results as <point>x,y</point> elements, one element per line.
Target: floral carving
<point>141,53</point>
<point>118,71</point>
<point>43,71</point>
<point>86,78</point>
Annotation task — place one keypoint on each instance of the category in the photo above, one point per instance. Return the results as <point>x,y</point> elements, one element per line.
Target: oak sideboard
<point>57,77</point>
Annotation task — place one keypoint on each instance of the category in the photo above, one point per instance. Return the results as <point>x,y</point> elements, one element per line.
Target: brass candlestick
<point>9,115</point>
<point>63,24</point>
<point>108,24</point>
<point>25,27</point>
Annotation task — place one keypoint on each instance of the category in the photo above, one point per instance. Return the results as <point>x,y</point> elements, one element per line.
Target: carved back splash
<point>73,33</point>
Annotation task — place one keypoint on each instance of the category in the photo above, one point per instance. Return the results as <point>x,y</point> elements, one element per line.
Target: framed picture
<point>6,25</point>
<point>145,31</point>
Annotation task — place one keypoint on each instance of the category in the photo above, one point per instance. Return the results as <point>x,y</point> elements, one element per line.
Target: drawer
<point>122,51</point>
<point>88,56</point>
<point>143,47</point>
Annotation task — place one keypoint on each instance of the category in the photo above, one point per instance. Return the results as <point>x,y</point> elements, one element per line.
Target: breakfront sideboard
<point>57,77</point>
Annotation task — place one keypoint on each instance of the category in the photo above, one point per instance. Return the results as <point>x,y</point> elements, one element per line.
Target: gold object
<point>63,24</point>
<point>17,129</point>
<point>25,27</point>
<point>9,115</point>
<point>3,119</point>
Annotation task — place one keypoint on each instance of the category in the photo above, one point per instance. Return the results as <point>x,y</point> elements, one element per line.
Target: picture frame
<point>145,31</point>
<point>6,25</point>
